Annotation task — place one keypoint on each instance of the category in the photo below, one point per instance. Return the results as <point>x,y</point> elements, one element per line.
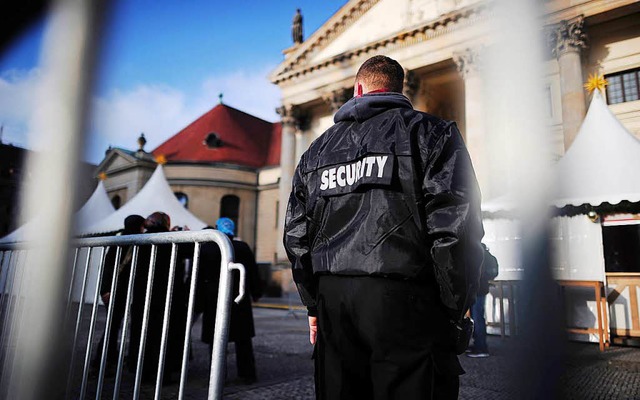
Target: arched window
<point>116,201</point>
<point>183,199</point>
<point>230,208</point>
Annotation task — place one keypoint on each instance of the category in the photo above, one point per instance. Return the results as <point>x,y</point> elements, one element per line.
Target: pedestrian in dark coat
<point>133,224</point>
<point>241,328</point>
<point>157,223</point>
<point>479,349</point>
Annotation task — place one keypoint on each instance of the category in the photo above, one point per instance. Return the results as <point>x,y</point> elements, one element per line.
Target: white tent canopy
<point>156,195</point>
<point>95,209</point>
<point>600,166</point>
<point>497,204</point>
<point>603,162</point>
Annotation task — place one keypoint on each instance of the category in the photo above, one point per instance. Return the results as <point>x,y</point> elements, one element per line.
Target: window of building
<point>230,208</point>
<point>116,201</point>
<point>183,199</point>
<point>623,86</point>
<point>213,141</point>
<point>621,248</point>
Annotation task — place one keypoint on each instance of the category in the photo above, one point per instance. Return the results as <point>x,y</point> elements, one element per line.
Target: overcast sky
<point>163,64</point>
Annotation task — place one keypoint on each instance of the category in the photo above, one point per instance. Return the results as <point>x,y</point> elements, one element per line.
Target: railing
<point>601,319</point>
<point>623,294</point>
<point>602,322</point>
<point>15,269</point>
<point>511,302</point>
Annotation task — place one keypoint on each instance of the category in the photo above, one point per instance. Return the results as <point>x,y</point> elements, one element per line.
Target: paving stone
<point>285,368</point>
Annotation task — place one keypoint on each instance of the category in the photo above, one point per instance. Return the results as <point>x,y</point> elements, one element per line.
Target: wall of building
<point>615,47</point>
<point>206,185</point>
<point>267,234</point>
<point>126,183</point>
<point>268,216</point>
<point>211,175</point>
<point>204,203</point>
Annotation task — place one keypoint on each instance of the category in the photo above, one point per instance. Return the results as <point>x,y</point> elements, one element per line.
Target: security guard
<point>383,231</point>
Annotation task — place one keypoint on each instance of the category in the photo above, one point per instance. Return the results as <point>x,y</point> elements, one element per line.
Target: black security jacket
<point>386,191</point>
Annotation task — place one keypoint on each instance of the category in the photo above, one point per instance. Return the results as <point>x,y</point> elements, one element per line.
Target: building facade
<point>13,177</point>
<point>441,44</point>
<point>223,164</point>
<point>229,163</point>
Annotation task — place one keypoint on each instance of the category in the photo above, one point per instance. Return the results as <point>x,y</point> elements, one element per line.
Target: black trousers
<point>113,351</point>
<point>383,339</point>
<point>245,360</point>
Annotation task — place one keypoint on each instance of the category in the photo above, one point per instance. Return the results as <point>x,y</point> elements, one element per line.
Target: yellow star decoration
<point>161,159</point>
<point>102,176</point>
<point>596,82</point>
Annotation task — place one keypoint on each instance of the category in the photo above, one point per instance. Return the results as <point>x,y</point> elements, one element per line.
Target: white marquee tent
<point>96,208</point>
<point>603,162</point>
<point>156,195</point>
<point>600,167</point>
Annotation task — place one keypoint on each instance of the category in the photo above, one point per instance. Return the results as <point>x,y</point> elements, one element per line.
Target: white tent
<point>95,209</point>
<point>156,195</point>
<point>599,167</point>
<point>603,162</point>
<point>497,204</point>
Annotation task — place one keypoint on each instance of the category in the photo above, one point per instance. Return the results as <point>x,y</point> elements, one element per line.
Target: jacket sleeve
<point>296,243</point>
<point>453,220</point>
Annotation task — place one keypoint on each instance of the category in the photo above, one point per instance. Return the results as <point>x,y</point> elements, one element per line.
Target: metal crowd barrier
<point>15,266</point>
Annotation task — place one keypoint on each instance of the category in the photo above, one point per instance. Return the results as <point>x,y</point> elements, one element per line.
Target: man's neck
<point>382,90</point>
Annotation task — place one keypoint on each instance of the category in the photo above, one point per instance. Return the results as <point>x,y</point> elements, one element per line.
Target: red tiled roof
<point>274,148</point>
<point>246,140</point>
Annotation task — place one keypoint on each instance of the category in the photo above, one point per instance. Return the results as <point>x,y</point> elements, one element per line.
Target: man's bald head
<point>380,73</point>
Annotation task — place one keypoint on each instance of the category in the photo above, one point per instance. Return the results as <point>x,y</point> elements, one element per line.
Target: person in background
<point>133,225</point>
<point>479,348</point>
<point>241,328</point>
<point>158,222</point>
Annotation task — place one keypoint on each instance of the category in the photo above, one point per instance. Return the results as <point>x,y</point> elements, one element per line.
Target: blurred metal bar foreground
<point>88,264</point>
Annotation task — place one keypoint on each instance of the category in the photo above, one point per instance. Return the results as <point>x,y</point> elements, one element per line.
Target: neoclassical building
<point>440,44</point>
<point>229,163</point>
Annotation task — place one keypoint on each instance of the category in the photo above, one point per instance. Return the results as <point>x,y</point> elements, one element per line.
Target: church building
<point>223,164</point>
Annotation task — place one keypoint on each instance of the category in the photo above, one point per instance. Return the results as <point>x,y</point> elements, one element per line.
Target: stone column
<point>304,136</point>
<point>411,84</point>
<point>468,63</point>
<point>568,40</point>
<point>336,98</point>
<point>288,161</point>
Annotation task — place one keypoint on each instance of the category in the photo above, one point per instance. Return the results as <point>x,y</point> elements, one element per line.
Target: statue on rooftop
<point>296,28</point>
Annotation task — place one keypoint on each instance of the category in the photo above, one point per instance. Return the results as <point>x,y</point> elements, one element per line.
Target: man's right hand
<point>313,329</point>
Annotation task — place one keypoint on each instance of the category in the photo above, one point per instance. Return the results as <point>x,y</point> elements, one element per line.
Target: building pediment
<point>361,26</point>
<point>117,160</point>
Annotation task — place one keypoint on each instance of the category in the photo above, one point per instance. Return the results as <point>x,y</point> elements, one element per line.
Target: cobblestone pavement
<point>285,369</point>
